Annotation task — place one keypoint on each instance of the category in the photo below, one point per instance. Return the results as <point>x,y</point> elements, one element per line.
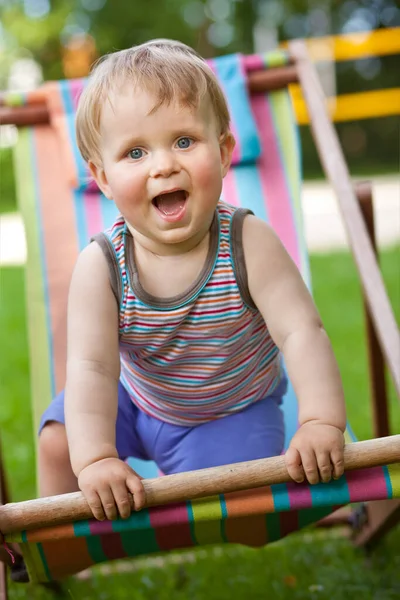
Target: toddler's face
<point>163,168</point>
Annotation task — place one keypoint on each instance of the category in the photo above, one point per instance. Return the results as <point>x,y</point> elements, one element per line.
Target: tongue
<point>172,203</point>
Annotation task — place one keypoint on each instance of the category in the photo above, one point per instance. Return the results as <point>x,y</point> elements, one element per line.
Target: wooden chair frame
<point>357,211</point>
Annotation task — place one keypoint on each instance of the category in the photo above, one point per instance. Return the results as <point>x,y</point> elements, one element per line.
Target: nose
<point>164,164</point>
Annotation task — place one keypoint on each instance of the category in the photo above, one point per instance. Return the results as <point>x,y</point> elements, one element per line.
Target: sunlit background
<point>53,39</point>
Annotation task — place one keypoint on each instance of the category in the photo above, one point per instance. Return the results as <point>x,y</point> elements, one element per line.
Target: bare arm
<point>281,296</point>
<point>92,362</point>
<point>91,395</point>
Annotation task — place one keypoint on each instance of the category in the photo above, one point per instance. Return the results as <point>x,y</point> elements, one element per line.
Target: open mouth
<point>171,204</point>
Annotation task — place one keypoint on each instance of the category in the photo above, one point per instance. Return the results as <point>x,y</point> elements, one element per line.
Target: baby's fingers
<point>108,502</point>
<point>135,486</point>
<point>93,499</point>
<point>310,466</point>
<point>120,492</point>
<point>293,465</point>
<point>337,462</point>
<point>324,466</point>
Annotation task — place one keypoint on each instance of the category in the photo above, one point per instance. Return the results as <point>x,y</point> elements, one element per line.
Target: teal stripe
<point>388,481</point>
<point>332,493</point>
<point>94,545</point>
<point>81,528</point>
<point>231,79</point>
<point>249,190</point>
<point>192,527</point>
<point>273,526</point>
<point>108,210</point>
<point>80,219</point>
<point>95,549</point>
<point>290,412</point>
<point>351,433</point>
<point>69,113</point>
<point>44,561</point>
<point>224,513</point>
<point>309,516</point>
<point>145,468</point>
<point>280,496</point>
<point>137,534</point>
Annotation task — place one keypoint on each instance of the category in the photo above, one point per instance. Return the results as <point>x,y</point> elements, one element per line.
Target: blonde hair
<point>169,69</point>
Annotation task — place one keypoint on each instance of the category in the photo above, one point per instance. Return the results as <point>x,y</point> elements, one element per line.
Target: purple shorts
<point>255,432</point>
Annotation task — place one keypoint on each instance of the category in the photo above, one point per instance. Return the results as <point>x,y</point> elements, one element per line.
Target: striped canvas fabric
<point>61,211</point>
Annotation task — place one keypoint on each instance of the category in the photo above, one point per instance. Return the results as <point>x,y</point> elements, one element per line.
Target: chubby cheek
<point>126,190</point>
<point>208,176</point>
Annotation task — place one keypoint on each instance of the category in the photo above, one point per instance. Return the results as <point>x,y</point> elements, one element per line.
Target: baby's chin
<point>177,240</point>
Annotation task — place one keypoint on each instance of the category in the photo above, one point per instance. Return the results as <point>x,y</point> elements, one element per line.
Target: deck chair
<point>62,209</point>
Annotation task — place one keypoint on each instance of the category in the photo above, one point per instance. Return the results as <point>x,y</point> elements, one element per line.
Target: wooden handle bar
<point>56,510</point>
<point>34,114</point>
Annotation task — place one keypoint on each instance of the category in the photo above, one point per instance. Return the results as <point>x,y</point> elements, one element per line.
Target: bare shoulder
<point>260,243</point>
<point>92,309</point>
<point>91,257</point>
<point>268,264</point>
<point>91,266</point>
<point>91,278</point>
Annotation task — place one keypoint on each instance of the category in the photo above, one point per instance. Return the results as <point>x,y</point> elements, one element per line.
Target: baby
<point>180,313</point>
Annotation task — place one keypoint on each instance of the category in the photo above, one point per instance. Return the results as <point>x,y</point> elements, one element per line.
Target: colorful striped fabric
<point>254,518</point>
<point>231,72</point>
<point>59,221</point>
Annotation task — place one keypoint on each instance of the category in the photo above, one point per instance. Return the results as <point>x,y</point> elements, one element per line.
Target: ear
<point>99,175</point>
<point>226,145</point>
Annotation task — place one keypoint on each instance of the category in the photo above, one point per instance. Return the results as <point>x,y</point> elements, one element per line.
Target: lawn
<point>305,566</point>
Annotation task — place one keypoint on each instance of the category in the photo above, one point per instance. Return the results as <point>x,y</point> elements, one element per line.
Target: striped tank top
<point>204,354</point>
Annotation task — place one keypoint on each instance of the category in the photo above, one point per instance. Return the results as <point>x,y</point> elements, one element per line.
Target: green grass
<point>306,565</point>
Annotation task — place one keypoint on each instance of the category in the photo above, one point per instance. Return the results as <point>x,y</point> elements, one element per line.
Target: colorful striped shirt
<point>201,355</point>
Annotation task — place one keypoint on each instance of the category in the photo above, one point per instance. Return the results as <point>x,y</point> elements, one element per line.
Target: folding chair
<point>62,210</point>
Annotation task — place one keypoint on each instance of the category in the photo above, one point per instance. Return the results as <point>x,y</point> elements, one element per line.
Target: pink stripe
<point>112,546</point>
<point>100,527</point>
<point>299,495</point>
<point>367,484</point>
<point>110,540</point>
<point>273,182</point>
<point>171,526</point>
<point>94,221</point>
<point>253,62</point>
<point>75,89</point>
<point>229,190</point>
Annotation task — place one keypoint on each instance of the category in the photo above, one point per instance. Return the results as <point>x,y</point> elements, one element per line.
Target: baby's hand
<point>316,453</point>
<point>106,484</point>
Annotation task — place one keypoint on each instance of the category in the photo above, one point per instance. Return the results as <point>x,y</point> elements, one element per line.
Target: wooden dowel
<point>379,399</point>
<point>56,510</point>
<point>335,168</point>
<point>34,114</point>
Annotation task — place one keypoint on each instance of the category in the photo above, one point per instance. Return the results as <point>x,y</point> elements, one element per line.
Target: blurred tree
<point>47,30</point>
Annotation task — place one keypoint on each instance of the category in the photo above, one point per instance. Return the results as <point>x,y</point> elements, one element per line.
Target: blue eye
<point>136,153</point>
<point>184,142</point>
